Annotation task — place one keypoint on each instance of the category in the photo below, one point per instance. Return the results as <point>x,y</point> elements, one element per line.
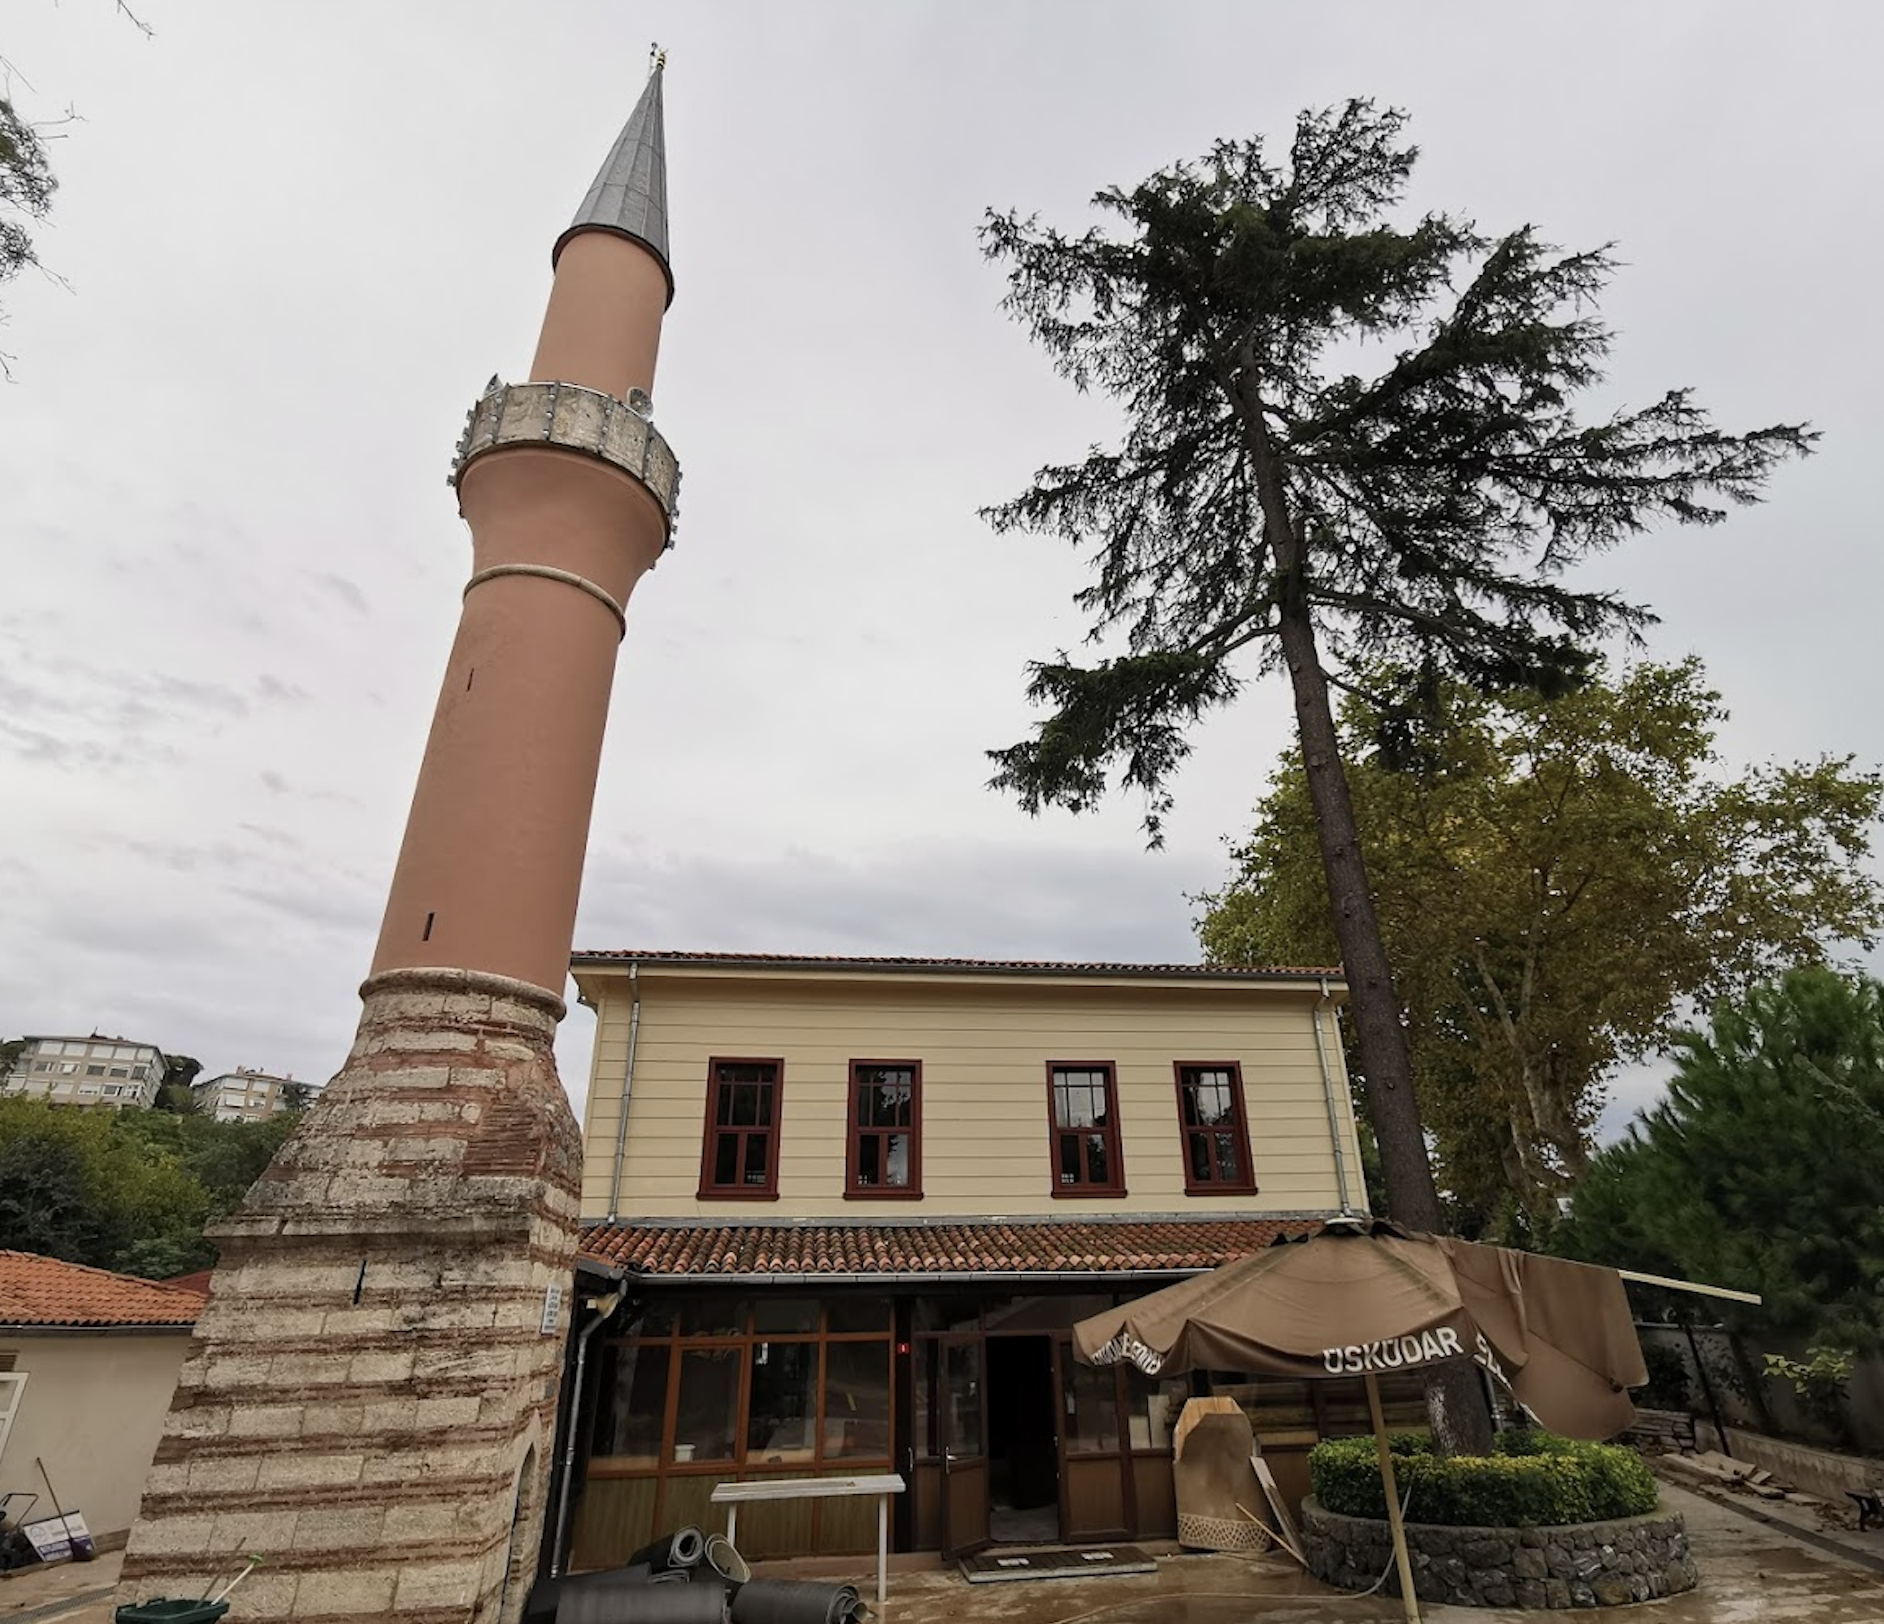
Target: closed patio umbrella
<point>1357,1298</point>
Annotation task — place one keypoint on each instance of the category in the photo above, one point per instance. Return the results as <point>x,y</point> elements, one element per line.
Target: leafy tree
<point>128,1190</point>
<point>1557,877</point>
<point>26,188</point>
<point>1760,1168</point>
<point>1266,495</point>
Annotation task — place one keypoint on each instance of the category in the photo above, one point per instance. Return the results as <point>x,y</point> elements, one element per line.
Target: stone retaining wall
<point>1600,1564</point>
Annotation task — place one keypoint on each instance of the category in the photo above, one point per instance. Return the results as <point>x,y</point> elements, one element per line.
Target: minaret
<point>370,1399</point>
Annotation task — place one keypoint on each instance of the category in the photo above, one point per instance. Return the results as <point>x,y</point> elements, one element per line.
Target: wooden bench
<point>731,1495</point>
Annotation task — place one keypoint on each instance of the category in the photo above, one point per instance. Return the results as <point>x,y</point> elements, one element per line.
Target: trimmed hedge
<point>1535,1480</point>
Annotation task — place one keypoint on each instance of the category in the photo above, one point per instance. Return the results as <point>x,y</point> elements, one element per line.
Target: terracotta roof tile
<point>1057,1246</point>
<point>1202,972</point>
<point>37,1290</point>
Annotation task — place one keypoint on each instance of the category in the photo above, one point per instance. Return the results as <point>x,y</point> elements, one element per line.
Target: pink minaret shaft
<point>569,493</point>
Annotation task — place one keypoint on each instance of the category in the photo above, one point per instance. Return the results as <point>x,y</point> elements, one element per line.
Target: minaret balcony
<point>571,417</point>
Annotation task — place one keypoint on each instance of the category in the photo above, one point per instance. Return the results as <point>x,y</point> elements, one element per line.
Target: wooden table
<point>731,1495</point>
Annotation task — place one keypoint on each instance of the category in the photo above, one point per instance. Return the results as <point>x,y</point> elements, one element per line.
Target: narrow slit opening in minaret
<point>428,927</point>
<point>359,1286</point>
<point>471,676</point>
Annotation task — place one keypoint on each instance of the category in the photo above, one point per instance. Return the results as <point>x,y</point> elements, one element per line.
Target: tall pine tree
<point>1265,496</point>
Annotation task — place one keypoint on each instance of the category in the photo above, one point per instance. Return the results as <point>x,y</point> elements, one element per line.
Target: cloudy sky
<point>291,244</point>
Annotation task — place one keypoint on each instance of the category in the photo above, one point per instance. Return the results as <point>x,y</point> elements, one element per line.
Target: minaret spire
<point>629,193</point>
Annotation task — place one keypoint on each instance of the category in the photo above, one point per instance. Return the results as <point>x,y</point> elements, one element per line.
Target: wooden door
<point>962,1434</point>
<point>1095,1490</point>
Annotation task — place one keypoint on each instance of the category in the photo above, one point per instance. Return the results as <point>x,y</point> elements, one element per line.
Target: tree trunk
<point>1455,1402</point>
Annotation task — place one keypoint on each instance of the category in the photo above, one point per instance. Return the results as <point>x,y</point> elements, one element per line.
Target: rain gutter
<point>1328,1094</point>
<point>604,1307</point>
<point>627,1082</point>
<point>932,1277</point>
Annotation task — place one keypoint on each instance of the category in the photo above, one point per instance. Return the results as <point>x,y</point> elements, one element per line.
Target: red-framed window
<point>883,1159</point>
<point>740,1160</point>
<point>1214,1128</point>
<point>1083,1128</point>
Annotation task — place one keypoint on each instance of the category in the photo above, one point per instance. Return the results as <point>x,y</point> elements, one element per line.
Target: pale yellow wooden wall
<point>984,1045</point>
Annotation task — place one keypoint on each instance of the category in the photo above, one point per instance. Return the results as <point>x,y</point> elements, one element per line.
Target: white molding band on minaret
<point>571,417</point>
<point>566,577</point>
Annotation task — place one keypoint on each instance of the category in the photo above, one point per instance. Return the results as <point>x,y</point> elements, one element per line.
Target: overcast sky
<point>293,242</point>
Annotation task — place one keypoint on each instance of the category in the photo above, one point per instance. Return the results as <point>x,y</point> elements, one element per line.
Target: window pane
<point>755,1158</point>
<point>726,1159</point>
<point>1098,1169</point>
<point>1069,1158</point>
<point>961,1398</point>
<point>781,1314</point>
<point>632,1403</point>
<point>857,1401</point>
<point>783,1411</point>
<point>1226,1157</point>
<point>859,1314</point>
<point>869,1160</point>
<point>1092,1412</point>
<point>708,1414</point>
<point>1197,1147</point>
<point>896,1168</point>
<point>712,1316</point>
<point>1153,1406</point>
<point>928,1379</point>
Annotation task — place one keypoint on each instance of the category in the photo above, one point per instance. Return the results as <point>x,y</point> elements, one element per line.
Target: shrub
<point>1535,1479</point>
<point>1667,1387</point>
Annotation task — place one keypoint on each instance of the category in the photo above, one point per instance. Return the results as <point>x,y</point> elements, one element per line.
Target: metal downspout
<point>1327,1092</point>
<point>627,1082</point>
<point>604,1307</point>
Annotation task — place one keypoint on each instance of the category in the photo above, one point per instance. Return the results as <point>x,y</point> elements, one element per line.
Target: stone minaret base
<point>370,1399</point>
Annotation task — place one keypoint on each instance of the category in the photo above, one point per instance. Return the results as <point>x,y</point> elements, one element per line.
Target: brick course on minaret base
<point>370,1399</point>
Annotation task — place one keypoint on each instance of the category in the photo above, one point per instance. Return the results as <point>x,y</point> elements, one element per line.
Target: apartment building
<point>90,1071</point>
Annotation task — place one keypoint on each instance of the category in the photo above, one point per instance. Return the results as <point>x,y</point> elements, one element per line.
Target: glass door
<point>1095,1493</point>
<point>961,1433</point>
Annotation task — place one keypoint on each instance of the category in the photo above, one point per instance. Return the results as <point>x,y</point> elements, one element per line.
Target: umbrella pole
<point>1408,1599</point>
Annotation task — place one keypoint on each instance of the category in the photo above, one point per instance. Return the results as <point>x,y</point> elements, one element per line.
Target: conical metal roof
<point>629,194</point>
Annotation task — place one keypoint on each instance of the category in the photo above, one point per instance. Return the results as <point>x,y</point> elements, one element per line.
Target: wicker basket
<point>1222,1534</point>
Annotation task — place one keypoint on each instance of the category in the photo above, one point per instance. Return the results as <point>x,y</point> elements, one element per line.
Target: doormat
<point>1055,1562</point>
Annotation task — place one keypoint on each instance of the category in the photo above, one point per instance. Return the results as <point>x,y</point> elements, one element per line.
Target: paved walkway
<point>1750,1574</point>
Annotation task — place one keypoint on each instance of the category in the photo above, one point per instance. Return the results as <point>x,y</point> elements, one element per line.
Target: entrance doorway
<point>1023,1447</point>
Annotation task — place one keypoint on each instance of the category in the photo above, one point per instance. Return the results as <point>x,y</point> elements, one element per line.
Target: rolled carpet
<point>702,1602</point>
<point>680,1549</point>
<point>796,1601</point>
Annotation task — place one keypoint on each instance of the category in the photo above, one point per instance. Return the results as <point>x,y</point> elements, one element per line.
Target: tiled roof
<point>46,1291</point>
<point>813,961</point>
<point>1049,1246</point>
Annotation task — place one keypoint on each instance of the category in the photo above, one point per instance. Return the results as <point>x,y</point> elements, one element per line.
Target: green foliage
<point>1760,1168</point>
<point>1822,1380</point>
<point>1668,1387</point>
<point>128,1190</point>
<point>1555,878</point>
<point>1534,1480</point>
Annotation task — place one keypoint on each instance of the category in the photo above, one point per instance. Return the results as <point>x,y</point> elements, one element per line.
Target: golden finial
<point>657,58</point>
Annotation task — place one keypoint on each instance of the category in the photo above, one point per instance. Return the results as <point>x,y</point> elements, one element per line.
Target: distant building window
<point>741,1156</point>
<point>118,1071</point>
<point>68,1067</point>
<point>885,1148</point>
<point>1083,1116</point>
<point>88,1088</point>
<point>94,1071</point>
<point>42,1065</point>
<point>1213,1129</point>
